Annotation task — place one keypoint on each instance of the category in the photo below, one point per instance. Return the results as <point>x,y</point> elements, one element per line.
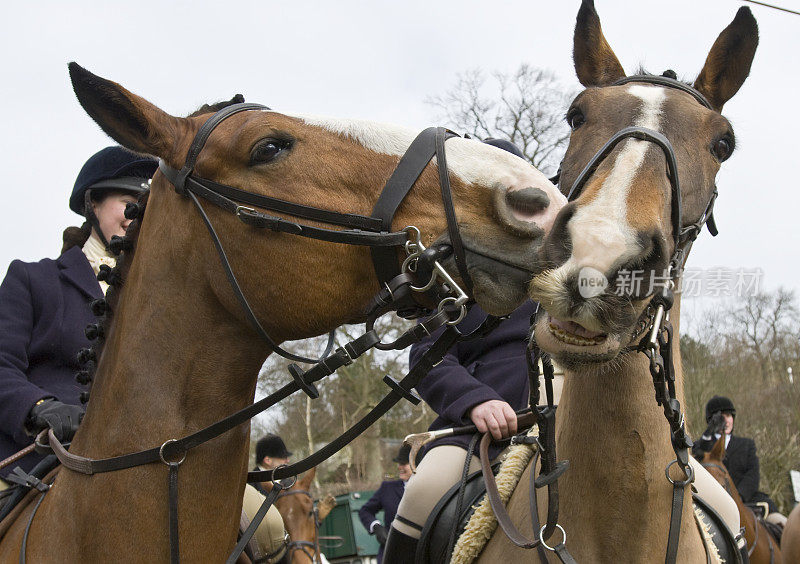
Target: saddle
<point>761,510</point>
<point>17,498</point>
<point>11,497</point>
<point>435,539</point>
<point>723,539</point>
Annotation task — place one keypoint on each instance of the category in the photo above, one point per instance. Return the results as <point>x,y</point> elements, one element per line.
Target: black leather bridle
<point>371,231</point>
<point>657,340</point>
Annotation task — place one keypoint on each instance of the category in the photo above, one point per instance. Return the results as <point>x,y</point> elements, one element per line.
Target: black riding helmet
<point>110,169</point>
<point>717,404</point>
<point>506,146</point>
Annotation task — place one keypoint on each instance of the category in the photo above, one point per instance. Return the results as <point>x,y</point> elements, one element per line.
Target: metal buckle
<point>244,210</point>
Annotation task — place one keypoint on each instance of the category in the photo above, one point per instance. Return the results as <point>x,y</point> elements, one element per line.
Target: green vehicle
<point>357,545</point>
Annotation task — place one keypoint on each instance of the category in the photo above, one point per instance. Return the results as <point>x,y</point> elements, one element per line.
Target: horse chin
<point>501,267</point>
<point>579,353</point>
<point>496,293</point>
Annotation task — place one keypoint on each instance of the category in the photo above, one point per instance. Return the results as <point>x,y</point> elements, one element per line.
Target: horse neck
<point>617,441</point>
<point>175,361</point>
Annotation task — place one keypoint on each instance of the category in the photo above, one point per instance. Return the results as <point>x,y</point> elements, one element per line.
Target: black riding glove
<point>62,418</point>
<point>380,533</point>
<point>715,425</point>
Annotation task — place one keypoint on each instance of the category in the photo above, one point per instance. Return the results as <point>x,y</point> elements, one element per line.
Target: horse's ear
<point>595,62</point>
<point>325,506</point>
<point>718,452</point>
<point>305,481</point>
<point>129,119</point>
<point>728,63</point>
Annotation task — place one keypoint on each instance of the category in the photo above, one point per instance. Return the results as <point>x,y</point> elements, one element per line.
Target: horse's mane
<point>115,277</point>
<point>669,73</point>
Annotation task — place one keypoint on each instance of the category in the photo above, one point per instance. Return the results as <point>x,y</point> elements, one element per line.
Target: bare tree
<point>526,107</point>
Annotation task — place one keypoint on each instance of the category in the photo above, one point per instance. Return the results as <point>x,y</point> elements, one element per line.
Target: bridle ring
<point>161,453</point>
<point>563,534</point>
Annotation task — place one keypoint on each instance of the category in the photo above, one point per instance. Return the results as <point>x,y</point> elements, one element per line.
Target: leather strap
<point>669,83</point>
<point>240,297</point>
<point>269,499</point>
<point>450,212</point>
<point>500,512</point>
<point>202,135</point>
<point>644,134</point>
<point>462,487</point>
<point>228,198</point>
<point>24,548</point>
<point>409,169</point>
<point>675,522</point>
<point>174,550</point>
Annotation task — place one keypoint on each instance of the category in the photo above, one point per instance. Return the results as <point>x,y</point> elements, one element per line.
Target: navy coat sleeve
<point>450,389</point>
<point>17,392</point>
<point>369,509</point>
<point>748,482</point>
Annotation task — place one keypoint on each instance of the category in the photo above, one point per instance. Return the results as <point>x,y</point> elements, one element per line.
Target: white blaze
<point>470,160</point>
<point>599,230</point>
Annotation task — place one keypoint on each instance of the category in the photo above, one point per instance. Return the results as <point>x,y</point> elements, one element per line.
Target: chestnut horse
<point>180,354</point>
<point>301,518</point>
<point>615,502</point>
<point>762,548</point>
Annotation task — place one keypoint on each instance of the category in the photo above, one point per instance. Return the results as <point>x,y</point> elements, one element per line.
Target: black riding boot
<point>400,548</point>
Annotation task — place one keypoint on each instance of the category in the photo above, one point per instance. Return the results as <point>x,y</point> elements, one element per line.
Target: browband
<point>669,83</point>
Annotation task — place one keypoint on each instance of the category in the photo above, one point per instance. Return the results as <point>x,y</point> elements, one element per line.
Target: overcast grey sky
<point>376,60</point>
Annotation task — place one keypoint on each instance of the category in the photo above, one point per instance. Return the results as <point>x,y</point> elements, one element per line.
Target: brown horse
<point>302,518</point>
<point>790,541</point>
<point>614,498</point>
<point>761,546</point>
<point>180,353</point>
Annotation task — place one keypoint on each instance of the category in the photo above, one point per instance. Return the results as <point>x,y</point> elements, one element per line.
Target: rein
<point>420,272</point>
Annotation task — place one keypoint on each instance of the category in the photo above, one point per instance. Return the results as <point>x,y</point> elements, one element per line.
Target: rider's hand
<point>380,533</point>
<point>62,418</point>
<point>495,416</point>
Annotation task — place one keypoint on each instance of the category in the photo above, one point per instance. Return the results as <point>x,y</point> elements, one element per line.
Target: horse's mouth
<point>575,347</point>
<point>573,333</point>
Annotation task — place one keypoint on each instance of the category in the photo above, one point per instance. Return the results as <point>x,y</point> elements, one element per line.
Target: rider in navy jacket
<point>472,372</point>
<point>387,497</point>
<point>44,308</point>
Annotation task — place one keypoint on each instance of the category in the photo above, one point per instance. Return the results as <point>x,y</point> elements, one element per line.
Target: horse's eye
<point>267,150</point>
<point>722,148</point>
<point>575,118</point>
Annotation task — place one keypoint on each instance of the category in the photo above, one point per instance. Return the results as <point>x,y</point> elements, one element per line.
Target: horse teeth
<point>572,339</point>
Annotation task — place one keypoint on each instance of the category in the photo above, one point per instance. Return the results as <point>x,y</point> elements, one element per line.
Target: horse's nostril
<point>527,201</point>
